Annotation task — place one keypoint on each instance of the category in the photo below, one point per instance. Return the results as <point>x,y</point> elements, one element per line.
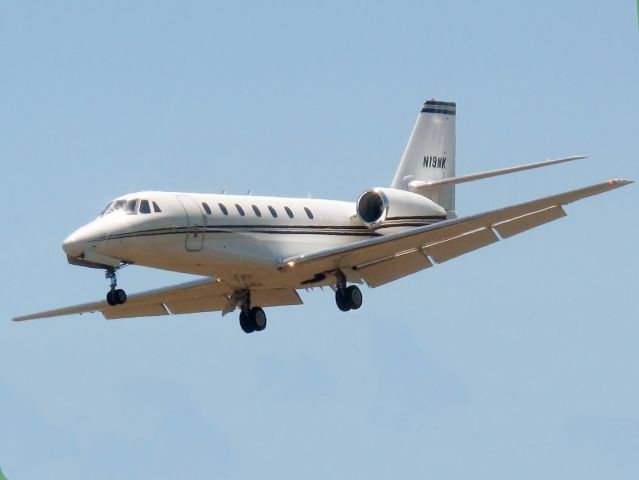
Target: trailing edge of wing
<point>419,186</point>
<point>439,242</point>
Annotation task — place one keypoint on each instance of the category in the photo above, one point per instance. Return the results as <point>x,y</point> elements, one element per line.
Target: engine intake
<point>371,207</point>
<point>392,207</point>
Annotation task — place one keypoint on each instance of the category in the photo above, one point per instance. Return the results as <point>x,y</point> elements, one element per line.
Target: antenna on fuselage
<point>249,192</point>
<point>223,192</point>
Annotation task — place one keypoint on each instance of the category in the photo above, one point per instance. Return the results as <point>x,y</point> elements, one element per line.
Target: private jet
<point>257,251</point>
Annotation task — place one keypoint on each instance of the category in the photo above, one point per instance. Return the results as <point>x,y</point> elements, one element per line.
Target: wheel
<point>110,300</point>
<point>245,323</point>
<point>259,318</point>
<point>341,300</point>
<point>353,296</point>
<point>119,296</point>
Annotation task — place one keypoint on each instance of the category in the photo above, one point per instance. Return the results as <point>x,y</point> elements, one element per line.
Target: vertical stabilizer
<point>430,152</point>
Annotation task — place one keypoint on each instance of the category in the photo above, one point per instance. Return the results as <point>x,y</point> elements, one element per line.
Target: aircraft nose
<point>74,244</point>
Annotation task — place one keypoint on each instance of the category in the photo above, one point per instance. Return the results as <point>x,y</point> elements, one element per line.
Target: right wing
<point>206,295</point>
<point>383,259</point>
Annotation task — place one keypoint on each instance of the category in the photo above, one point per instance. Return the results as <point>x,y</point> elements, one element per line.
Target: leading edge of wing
<point>448,228</point>
<point>137,298</point>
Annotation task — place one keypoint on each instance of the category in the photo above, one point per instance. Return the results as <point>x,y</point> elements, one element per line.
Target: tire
<point>259,319</point>
<point>119,296</point>
<point>245,323</point>
<point>354,297</point>
<point>110,300</point>
<point>341,300</point>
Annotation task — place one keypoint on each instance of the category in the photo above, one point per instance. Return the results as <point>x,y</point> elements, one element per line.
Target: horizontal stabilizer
<point>420,186</point>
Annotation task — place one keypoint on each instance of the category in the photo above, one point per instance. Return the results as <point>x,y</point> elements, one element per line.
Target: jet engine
<point>390,207</point>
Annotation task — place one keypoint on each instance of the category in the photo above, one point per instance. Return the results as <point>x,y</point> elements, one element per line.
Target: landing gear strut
<point>347,298</point>
<point>115,296</point>
<point>251,319</point>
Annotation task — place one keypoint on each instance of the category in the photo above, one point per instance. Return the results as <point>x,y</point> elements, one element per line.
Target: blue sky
<point>519,360</point>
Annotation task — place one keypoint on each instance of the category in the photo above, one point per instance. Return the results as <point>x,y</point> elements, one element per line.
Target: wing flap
<point>456,246</point>
<point>274,297</point>
<point>520,224</point>
<point>125,311</point>
<point>392,268</point>
<point>212,303</point>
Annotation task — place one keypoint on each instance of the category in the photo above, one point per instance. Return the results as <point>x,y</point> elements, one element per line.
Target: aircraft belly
<point>224,254</point>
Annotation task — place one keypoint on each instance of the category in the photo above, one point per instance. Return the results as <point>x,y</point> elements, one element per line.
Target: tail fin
<point>430,153</point>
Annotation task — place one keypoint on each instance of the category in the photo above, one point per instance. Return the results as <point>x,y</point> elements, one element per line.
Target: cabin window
<point>273,212</point>
<point>289,212</point>
<point>223,208</point>
<point>308,212</point>
<point>257,211</point>
<point>240,210</point>
<point>144,206</point>
<point>206,207</point>
<point>131,206</point>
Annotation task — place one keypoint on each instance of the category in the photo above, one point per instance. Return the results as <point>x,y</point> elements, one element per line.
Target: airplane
<point>258,251</point>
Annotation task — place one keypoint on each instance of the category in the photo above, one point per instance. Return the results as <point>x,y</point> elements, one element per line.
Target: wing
<point>205,295</point>
<point>383,259</point>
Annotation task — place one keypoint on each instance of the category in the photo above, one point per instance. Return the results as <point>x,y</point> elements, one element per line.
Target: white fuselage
<point>231,236</point>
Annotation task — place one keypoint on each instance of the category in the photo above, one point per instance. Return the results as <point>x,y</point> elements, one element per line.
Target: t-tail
<point>428,164</point>
<point>430,154</point>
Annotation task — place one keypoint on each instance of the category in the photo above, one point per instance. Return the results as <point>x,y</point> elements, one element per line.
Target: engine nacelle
<point>390,207</point>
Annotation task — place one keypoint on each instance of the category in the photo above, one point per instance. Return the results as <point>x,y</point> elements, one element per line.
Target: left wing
<point>383,259</point>
<point>206,295</point>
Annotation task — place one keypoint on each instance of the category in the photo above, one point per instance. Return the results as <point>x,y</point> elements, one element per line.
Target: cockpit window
<point>156,208</point>
<point>113,206</point>
<point>144,206</point>
<point>131,206</point>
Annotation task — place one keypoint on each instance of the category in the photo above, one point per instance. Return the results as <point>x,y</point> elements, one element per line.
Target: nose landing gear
<point>115,296</point>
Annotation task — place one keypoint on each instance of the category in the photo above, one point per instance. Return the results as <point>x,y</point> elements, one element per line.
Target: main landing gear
<point>115,296</point>
<point>251,319</point>
<point>347,298</point>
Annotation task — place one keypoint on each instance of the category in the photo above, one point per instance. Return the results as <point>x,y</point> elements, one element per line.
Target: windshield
<point>113,206</point>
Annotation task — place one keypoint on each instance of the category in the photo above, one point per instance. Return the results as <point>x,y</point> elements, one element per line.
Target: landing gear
<point>251,319</point>
<point>115,296</point>
<point>347,298</point>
